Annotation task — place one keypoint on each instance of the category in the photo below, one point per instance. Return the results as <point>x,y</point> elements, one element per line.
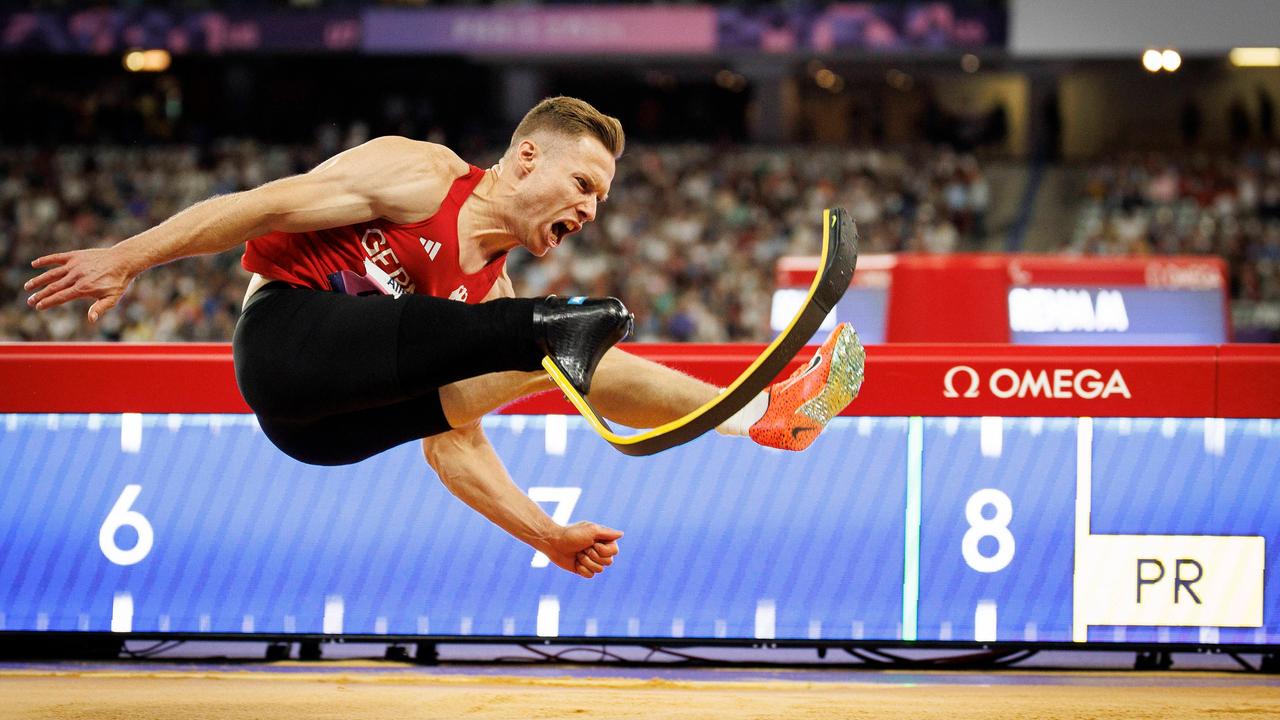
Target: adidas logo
<point>430,246</point>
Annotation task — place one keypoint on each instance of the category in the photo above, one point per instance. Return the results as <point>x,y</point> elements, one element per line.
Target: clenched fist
<point>584,548</point>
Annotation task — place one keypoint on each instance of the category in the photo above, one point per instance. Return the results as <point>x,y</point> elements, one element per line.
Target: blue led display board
<point>937,529</point>
<point>1116,316</point>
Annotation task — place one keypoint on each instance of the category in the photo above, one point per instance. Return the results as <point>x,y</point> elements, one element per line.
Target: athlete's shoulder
<point>426,157</point>
<point>416,175</point>
<point>447,159</point>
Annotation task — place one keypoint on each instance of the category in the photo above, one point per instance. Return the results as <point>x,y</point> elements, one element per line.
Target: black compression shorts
<point>337,378</point>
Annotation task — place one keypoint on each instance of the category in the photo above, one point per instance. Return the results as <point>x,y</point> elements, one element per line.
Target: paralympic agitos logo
<point>962,381</point>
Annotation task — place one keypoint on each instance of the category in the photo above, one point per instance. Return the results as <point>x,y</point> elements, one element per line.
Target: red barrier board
<point>1248,381</point>
<point>939,380</point>
<point>1048,381</point>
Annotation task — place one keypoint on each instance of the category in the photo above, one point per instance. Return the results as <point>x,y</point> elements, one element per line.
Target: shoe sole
<point>844,379</point>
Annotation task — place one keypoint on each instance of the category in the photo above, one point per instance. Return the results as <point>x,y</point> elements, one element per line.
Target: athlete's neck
<point>484,229</point>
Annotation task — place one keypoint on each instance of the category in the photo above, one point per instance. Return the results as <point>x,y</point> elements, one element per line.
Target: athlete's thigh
<point>307,353</point>
<point>353,436</point>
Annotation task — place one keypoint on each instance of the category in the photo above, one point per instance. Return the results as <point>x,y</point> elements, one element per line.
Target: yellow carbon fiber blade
<point>839,257</point>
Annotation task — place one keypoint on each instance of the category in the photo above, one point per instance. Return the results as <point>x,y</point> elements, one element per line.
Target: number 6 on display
<point>564,498</point>
<point>980,527</point>
<point>120,516</point>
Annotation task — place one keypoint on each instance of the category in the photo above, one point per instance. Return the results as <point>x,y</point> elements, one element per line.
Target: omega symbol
<point>948,382</point>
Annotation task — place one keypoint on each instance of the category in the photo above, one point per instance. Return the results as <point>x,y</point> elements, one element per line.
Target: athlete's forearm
<point>473,472</point>
<point>208,227</point>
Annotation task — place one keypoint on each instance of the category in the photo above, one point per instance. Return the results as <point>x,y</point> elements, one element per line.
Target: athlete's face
<point>564,179</point>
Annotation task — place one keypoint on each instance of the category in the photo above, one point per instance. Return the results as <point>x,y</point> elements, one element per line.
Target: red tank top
<point>419,257</point>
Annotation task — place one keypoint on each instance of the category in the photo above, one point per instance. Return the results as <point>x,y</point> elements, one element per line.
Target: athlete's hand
<point>101,273</point>
<point>584,548</point>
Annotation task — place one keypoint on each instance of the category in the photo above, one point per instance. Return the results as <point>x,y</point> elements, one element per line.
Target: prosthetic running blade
<point>839,257</point>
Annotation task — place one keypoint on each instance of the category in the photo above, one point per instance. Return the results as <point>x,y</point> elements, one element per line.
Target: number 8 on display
<point>979,527</point>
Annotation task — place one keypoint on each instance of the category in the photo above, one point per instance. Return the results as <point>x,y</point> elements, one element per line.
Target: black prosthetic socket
<point>576,332</point>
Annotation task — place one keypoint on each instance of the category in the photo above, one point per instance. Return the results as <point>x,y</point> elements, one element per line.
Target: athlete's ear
<point>528,155</point>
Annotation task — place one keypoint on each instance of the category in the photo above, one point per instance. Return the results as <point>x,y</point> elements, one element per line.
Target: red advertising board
<point>936,379</point>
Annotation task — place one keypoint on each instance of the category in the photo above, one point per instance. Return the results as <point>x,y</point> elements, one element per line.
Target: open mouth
<point>560,229</point>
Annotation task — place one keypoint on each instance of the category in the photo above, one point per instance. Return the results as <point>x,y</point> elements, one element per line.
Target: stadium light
<point>1171,60</point>
<point>1153,60</point>
<point>1255,56</point>
<point>147,60</point>
<point>133,61</point>
<point>156,60</point>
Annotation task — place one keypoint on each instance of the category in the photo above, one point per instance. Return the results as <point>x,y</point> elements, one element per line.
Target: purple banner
<point>543,30</point>
<point>104,31</point>
<point>536,30</point>
<point>859,27</point>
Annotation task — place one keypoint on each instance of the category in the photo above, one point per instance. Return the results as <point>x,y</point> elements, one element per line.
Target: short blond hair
<point>573,117</point>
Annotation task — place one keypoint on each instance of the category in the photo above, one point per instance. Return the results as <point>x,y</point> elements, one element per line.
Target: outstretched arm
<point>472,471</point>
<point>391,177</point>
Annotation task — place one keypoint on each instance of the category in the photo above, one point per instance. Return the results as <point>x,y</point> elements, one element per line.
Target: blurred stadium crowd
<point>689,237</point>
<point>1197,203</point>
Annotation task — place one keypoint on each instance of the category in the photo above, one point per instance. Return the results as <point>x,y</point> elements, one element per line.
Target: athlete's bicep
<point>392,177</point>
<point>303,203</point>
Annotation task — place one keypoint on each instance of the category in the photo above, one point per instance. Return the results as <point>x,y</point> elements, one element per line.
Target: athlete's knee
<point>310,445</point>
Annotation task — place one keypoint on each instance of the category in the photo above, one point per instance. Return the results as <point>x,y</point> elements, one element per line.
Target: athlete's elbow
<point>439,457</point>
<point>452,459</point>
<point>431,453</point>
<point>454,479</point>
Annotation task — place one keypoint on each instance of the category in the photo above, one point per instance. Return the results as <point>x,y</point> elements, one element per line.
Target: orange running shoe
<point>801,405</point>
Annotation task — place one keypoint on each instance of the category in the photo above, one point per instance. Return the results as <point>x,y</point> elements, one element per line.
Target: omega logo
<point>971,376</point>
<point>1057,383</point>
